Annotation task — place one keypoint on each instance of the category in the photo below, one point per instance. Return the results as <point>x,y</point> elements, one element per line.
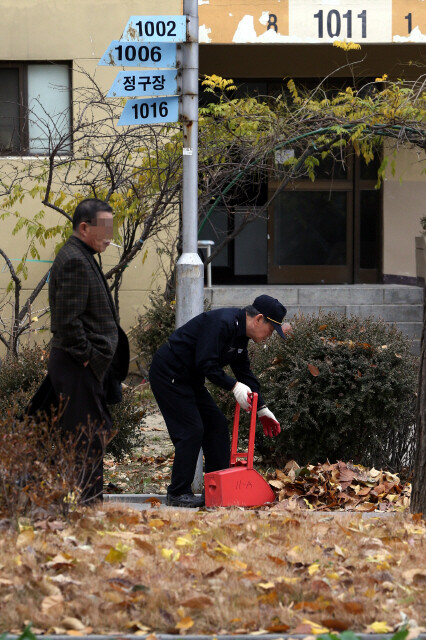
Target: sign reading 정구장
<point>129,54</point>
<point>155,29</point>
<point>144,83</point>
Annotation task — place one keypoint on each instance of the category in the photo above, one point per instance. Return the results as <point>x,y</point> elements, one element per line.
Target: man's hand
<point>241,393</point>
<point>271,426</point>
<point>287,329</point>
<point>85,363</point>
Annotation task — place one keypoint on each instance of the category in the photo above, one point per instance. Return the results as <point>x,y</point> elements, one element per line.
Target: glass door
<point>327,231</point>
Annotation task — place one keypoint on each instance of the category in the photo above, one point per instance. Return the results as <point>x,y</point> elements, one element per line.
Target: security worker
<point>198,350</point>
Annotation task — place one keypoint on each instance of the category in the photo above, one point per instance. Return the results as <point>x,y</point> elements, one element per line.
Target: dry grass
<point>112,569</point>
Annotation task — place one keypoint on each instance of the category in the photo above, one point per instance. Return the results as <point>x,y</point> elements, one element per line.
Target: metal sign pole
<point>189,268</point>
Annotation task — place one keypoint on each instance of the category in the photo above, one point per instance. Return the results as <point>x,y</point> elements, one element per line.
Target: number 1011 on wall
<point>150,111</point>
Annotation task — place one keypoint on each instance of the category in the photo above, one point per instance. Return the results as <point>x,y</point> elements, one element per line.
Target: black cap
<point>272,310</point>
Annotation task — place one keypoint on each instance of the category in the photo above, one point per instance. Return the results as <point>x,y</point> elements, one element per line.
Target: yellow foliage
<point>346,46</point>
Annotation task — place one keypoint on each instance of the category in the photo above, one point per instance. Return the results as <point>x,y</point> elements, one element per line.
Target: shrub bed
<point>343,388</point>
<point>20,377</point>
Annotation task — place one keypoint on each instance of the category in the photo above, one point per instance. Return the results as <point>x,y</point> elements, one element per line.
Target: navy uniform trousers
<point>192,418</point>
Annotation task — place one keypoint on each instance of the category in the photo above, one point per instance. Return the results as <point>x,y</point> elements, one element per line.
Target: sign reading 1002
<point>155,29</point>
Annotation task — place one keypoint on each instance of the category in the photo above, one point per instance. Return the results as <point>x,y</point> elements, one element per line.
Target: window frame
<point>22,66</point>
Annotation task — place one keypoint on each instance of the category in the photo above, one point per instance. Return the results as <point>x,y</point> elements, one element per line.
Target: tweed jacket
<point>83,316</point>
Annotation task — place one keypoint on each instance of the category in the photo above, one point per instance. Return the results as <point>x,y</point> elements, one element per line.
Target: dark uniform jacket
<point>209,342</point>
<point>83,317</point>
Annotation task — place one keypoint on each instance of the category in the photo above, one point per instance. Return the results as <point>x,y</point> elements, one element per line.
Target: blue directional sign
<point>155,29</point>
<point>128,54</point>
<point>144,83</point>
<point>150,111</point>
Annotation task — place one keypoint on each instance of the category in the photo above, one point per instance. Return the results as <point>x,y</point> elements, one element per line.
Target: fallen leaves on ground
<point>343,486</point>
<point>139,473</point>
<point>229,571</point>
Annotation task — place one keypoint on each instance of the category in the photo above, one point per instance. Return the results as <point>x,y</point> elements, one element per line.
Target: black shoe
<point>185,500</point>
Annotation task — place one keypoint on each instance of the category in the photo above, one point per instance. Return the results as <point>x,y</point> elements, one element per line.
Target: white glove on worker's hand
<point>241,393</point>
<point>271,426</point>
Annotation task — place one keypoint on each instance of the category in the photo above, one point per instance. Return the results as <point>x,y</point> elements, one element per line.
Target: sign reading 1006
<point>135,54</point>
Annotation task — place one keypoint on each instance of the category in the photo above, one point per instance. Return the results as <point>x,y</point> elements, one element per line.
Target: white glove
<point>271,426</point>
<point>241,393</point>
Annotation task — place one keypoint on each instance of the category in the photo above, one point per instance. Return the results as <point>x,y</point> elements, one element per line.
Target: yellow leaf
<point>156,522</point>
<point>170,554</point>
<point>316,629</point>
<point>117,554</point>
<point>35,319</point>
<point>332,575</point>
<point>185,623</point>
<point>266,585</point>
<point>227,551</point>
<point>313,568</point>
<point>288,580</point>
<point>239,565</point>
<point>183,541</point>
<point>379,627</point>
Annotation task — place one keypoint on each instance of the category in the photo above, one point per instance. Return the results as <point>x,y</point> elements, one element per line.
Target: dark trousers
<point>192,418</point>
<point>83,398</point>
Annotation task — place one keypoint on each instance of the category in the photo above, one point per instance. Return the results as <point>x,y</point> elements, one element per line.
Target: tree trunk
<point>418,496</point>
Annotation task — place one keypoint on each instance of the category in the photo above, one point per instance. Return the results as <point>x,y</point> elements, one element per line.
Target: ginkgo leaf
<point>183,541</point>
<point>313,568</point>
<point>222,548</point>
<point>157,523</point>
<point>170,554</point>
<point>266,585</point>
<point>379,627</point>
<point>185,623</point>
<point>117,553</point>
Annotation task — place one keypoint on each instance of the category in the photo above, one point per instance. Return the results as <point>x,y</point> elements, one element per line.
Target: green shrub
<point>126,420</point>
<point>20,376</point>
<point>342,389</point>
<point>154,327</point>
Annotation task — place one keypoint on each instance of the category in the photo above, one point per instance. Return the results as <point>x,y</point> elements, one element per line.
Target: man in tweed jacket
<point>90,352</point>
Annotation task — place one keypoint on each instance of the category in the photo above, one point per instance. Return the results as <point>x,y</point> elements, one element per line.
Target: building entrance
<point>327,231</point>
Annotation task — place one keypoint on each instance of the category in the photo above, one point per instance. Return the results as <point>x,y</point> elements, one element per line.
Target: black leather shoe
<point>185,500</point>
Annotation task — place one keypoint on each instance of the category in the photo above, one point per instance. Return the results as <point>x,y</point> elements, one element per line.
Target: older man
<point>90,352</point>
<point>198,350</point>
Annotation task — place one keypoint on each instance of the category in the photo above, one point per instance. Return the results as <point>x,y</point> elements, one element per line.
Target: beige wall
<point>404,203</point>
<point>78,31</point>
<point>69,30</point>
<point>81,30</point>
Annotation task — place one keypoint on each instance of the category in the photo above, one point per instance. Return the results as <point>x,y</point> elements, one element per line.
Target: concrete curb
<point>165,636</point>
<point>139,501</point>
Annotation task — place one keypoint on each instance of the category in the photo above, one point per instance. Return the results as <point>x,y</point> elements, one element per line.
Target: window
<point>35,108</point>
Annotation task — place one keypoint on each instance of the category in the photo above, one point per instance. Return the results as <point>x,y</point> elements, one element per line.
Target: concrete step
<point>321,295</point>
<point>397,304</point>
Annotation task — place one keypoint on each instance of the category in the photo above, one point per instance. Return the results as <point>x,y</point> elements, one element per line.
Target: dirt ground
<point>148,469</point>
